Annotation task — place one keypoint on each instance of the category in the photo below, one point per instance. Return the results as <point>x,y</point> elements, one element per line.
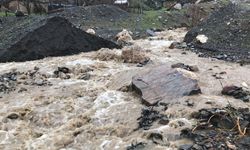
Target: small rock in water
<point>13,116</point>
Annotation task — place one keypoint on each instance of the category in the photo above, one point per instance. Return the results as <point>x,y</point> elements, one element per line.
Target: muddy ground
<point>86,103</point>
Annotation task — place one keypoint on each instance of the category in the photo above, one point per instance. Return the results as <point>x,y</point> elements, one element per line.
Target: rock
<point>185,147</point>
<point>186,67</point>
<point>202,38</point>
<point>39,82</point>
<point>13,116</point>
<point>122,79</point>
<point>19,13</point>
<point>91,31</point>
<point>162,84</point>
<point>63,69</point>
<point>236,92</point>
<point>62,72</point>
<point>173,45</point>
<point>150,32</point>
<point>178,6</point>
<point>56,37</point>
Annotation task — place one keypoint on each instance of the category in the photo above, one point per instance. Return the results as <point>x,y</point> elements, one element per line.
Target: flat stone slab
<point>163,84</point>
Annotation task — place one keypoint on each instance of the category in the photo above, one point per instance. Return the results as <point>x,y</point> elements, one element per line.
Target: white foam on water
<point>105,101</point>
<point>70,82</point>
<point>157,44</point>
<point>80,62</point>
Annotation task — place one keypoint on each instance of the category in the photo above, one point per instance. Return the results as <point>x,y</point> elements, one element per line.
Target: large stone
<point>54,36</point>
<point>162,84</point>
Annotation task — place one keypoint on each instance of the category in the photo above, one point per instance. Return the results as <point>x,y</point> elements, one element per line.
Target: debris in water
<point>148,117</point>
<point>215,124</point>
<point>236,92</point>
<point>186,67</point>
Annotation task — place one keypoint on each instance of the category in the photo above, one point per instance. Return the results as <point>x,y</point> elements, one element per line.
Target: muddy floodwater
<point>89,106</point>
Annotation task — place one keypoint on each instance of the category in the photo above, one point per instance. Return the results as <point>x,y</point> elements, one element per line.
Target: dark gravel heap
<point>96,12</point>
<point>228,32</point>
<point>54,36</point>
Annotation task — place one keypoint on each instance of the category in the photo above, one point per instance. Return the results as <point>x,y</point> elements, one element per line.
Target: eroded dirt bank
<point>86,104</point>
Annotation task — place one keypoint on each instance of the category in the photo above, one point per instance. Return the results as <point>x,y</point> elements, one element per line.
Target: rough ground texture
<point>101,12</point>
<point>228,32</point>
<point>52,37</point>
<point>163,84</point>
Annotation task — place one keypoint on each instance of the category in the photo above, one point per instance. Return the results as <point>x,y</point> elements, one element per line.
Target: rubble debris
<point>136,146</point>
<point>62,72</point>
<point>162,84</point>
<point>8,82</point>
<point>56,37</point>
<point>236,92</point>
<point>215,124</point>
<point>228,32</point>
<point>158,139</point>
<point>186,67</point>
<point>148,117</point>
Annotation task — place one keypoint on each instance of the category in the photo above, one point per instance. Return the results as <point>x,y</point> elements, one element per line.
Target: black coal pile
<point>54,36</point>
<point>226,128</point>
<point>228,33</point>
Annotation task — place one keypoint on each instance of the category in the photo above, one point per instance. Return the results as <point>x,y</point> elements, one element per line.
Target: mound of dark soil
<point>97,12</point>
<point>54,36</point>
<point>228,32</point>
